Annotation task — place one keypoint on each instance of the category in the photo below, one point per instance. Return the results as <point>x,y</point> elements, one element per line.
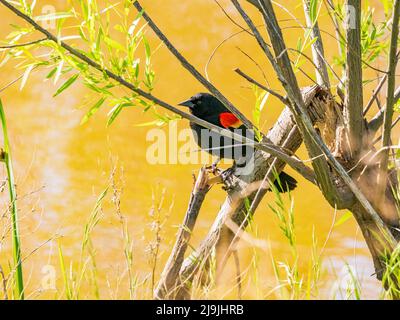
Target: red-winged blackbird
<point>207,107</point>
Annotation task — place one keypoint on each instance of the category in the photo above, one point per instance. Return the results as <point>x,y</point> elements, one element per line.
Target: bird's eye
<point>198,102</point>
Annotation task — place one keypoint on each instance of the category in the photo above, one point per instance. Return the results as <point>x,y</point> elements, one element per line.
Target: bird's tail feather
<point>285,183</point>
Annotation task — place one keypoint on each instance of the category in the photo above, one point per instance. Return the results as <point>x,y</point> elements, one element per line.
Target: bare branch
<point>230,18</point>
<point>378,89</point>
<point>284,100</point>
<point>377,121</point>
<point>23,44</point>
<point>339,36</point>
<point>353,109</point>
<point>375,95</point>
<point>169,281</point>
<point>317,48</point>
<point>387,121</point>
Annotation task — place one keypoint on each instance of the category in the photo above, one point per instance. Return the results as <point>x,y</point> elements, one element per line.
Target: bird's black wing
<point>286,183</point>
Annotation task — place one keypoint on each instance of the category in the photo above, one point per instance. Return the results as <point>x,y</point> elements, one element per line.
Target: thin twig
<point>377,90</point>
<point>317,48</point>
<point>255,63</point>
<point>18,45</point>
<point>4,283</point>
<point>11,83</point>
<point>284,100</point>
<point>340,38</point>
<point>230,18</point>
<point>238,274</point>
<point>393,125</point>
<point>377,120</point>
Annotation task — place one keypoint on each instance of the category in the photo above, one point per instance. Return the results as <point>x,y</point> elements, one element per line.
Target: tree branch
<point>169,283</point>
<point>317,48</point>
<point>23,44</point>
<point>387,121</point>
<point>377,120</point>
<point>353,108</point>
<point>284,100</point>
<point>377,90</point>
<point>332,14</point>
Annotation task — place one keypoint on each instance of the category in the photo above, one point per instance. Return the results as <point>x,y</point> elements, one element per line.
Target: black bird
<point>207,107</point>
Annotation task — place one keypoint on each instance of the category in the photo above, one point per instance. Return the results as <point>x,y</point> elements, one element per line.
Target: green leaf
<point>346,216</point>
<point>147,50</point>
<point>114,114</point>
<point>51,73</point>
<point>135,23</point>
<point>114,44</point>
<point>58,71</point>
<point>26,76</point>
<point>313,10</point>
<point>54,16</point>
<point>93,110</point>
<point>66,84</point>
<point>157,123</point>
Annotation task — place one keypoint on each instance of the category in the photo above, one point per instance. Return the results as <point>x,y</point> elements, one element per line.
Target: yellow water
<point>61,167</point>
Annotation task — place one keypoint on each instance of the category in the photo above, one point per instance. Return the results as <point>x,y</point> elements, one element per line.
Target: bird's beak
<point>187,103</point>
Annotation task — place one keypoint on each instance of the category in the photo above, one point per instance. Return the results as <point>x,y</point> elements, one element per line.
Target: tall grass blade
<point>19,282</point>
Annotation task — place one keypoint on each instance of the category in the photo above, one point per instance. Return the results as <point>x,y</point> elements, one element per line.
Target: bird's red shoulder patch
<point>229,120</point>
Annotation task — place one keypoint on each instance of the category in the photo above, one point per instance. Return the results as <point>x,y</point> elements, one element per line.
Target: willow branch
<point>169,282</point>
<point>353,107</point>
<point>284,100</point>
<point>339,36</point>
<point>387,120</point>
<point>377,120</point>
<point>377,90</point>
<point>317,48</point>
<point>18,45</point>
<point>375,95</point>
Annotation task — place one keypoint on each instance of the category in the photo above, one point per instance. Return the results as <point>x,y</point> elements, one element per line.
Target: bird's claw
<point>227,177</point>
<point>214,169</point>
